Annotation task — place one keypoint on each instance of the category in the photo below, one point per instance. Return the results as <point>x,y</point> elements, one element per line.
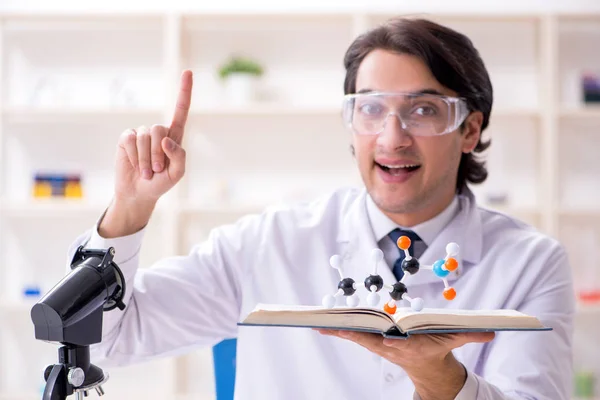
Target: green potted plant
<point>240,75</point>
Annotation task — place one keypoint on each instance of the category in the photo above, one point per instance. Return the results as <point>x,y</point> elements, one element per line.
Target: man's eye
<point>370,109</point>
<point>425,111</point>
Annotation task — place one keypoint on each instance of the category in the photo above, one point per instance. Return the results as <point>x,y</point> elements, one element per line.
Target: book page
<point>406,311</point>
<point>310,316</point>
<point>320,309</point>
<point>408,320</point>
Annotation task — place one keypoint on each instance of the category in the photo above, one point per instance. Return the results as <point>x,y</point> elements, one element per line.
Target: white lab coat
<point>282,256</point>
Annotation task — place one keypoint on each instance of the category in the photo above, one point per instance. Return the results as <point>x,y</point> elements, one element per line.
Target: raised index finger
<point>182,107</point>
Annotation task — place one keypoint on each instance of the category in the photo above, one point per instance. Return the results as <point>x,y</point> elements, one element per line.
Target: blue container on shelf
<point>591,87</point>
<point>224,360</point>
<point>32,291</point>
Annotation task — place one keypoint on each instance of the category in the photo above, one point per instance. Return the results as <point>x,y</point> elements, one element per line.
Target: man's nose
<point>394,135</point>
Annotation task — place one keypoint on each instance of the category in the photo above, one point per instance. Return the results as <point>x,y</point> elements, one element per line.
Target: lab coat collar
<point>357,239</point>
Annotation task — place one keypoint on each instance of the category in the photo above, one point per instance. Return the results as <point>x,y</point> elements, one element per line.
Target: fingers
<point>476,337</point>
<point>157,154</point>
<point>176,155</point>
<point>448,341</point>
<point>144,141</point>
<point>369,341</point>
<point>182,107</point>
<point>128,143</point>
<point>151,150</point>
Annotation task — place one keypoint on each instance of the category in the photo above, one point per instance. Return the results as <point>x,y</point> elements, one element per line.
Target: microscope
<point>71,314</point>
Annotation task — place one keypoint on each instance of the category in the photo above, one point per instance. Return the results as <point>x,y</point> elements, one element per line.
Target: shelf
<point>64,208</point>
<point>580,112</point>
<point>20,396</point>
<point>13,307</point>
<point>75,208</point>
<point>584,309</point>
<point>580,213</point>
<point>52,115</point>
<point>577,172</point>
<point>52,208</point>
<point>216,22</point>
<point>82,23</point>
<point>267,109</point>
<point>225,210</point>
<point>516,112</point>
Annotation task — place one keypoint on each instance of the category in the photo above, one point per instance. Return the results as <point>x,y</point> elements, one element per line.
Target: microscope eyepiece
<point>72,310</point>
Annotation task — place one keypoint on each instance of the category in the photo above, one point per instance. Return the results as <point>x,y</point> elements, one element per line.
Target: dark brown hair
<point>452,59</point>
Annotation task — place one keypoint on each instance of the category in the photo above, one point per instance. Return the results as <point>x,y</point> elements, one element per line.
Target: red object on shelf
<point>592,296</point>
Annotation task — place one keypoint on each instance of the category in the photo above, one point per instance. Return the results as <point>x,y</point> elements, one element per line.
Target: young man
<point>418,98</point>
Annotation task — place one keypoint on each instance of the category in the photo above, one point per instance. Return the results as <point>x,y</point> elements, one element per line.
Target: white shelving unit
<point>70,84</point>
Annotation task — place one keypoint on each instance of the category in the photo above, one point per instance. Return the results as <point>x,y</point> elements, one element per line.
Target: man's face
<point>426,180</point>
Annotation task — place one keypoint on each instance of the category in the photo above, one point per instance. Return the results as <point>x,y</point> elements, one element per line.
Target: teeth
<point>400,166</point>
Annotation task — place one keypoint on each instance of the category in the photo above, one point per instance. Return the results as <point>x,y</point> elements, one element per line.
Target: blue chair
<point>224,354</point>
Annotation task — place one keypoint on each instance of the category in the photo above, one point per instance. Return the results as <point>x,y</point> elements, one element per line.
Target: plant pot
<point>240,88</point>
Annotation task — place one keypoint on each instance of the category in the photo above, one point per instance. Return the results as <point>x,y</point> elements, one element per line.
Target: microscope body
<point>73,374</point>
<point>71,314</point>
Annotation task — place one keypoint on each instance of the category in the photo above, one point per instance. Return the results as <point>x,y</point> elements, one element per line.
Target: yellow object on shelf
<point>73,189</point>
<point>42,189</point>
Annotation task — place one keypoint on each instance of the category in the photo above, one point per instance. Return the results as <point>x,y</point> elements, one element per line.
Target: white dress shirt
<point>382,225</point>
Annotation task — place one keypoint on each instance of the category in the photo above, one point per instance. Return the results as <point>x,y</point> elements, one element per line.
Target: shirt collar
<point>382,225</point>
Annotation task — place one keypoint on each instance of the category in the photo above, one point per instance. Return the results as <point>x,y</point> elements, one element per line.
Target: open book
<point>403,323</point>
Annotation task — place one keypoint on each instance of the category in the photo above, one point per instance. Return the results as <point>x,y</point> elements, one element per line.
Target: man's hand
<point>149,162</point>
<point>426,359</point>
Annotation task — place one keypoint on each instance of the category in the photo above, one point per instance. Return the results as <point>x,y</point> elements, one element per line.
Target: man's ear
<point>471,131</point>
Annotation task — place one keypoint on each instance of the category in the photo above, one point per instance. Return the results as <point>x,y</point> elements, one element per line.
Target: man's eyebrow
<point>429,91</point>
<point>417,92</point>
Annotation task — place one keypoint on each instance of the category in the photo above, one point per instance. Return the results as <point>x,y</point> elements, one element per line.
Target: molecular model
<point>398,291</point>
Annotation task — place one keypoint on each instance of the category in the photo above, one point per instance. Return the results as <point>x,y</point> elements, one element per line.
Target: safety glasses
<point>420,114</point>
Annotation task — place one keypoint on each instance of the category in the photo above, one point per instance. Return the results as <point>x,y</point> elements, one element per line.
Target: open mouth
<point>397,170</point>
<point>397,173</point>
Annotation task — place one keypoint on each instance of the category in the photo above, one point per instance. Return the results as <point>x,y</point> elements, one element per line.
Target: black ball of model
<point>347,285</point>
<point>398,290</point>
<point>374,280</point>
<point>410,265</point>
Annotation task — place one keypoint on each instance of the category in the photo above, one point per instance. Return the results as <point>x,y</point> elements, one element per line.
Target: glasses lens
<point>369,113</point>
<point>418,114</point>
